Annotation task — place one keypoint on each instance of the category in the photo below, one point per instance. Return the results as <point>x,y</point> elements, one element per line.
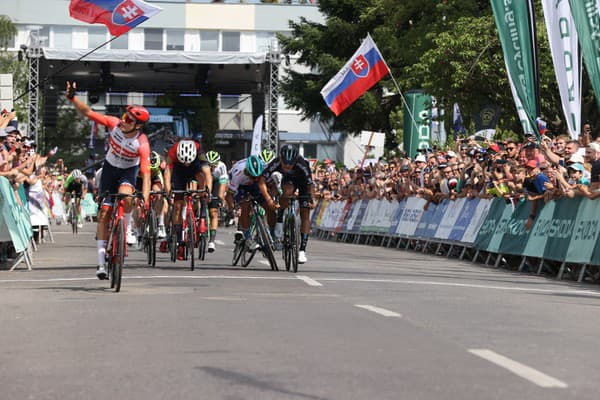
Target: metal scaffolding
<point>274,60</point>
<point>33,54</point>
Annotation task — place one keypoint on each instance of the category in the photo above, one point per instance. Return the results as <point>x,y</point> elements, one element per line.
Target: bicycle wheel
<point>247,255</point>
<point>202,244</point>
<point>238,249</point>
<point>189,240</point>
<point>150,237</point>
<point>119,256</point>
<point>266,243</point>
<point>172,241</point>
<point>287,252</point>
<point>294,243</point>
<point>73,218</point>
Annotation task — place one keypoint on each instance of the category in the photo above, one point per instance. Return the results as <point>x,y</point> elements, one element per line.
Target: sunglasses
<point>510,148</point>
<point>127,119</point>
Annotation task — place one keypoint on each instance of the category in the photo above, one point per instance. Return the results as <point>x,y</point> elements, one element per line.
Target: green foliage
<point>71,135</point>
<point>7,31</point>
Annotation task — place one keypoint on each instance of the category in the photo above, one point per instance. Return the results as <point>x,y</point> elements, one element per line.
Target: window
<point>153,39</point>
<point>231,41</point>
<point>310,150</point>
<point>96,36</point>
<point>230,102</point>
<point>44,36</point>
<point>62,37</point>
<point>8,43</point>
<point>209,41</point>
<point>118,99</point>
<point>122,42</point>
<point>263,41</point>
<point>175,39</point>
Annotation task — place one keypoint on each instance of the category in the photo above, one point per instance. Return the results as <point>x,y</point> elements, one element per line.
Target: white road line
<point>265,262</point>
<point>378,310</point>
<point>219,242</point>
<point>525,372</point>
<point>126,277</point>
<point>309,281</point>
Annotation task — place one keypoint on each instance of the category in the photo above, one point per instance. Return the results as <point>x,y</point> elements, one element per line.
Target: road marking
<point>378,310</point>
<point>309,281</point>
<point>265,262</point>
<point>219,242</point>
<point>522,370</point>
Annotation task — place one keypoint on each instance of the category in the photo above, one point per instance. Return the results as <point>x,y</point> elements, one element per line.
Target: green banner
<point>488,228</point>
<point>417,131</point>
<point>585,232</point>
<point>586,16</point>
<point>516,29</point>
<point>536,244</point>
<point>561,228</point>
<point>515,234</point>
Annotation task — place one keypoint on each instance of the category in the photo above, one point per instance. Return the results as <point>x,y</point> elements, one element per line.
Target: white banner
<point>478,218</point>
<point>409,220</point>
<point>450,216</point>
<point>257,137</point>
<point>565,56</point>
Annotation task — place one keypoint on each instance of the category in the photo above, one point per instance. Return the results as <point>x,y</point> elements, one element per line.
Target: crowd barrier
<point>15,222</point>
<point>563,238</point>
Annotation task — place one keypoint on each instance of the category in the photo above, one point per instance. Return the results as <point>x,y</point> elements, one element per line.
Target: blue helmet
<point>288,154</point>
<point>254,166</point>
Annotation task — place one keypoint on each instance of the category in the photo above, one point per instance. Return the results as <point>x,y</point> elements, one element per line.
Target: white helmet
<point>76,174</point>
<point>186,151</point>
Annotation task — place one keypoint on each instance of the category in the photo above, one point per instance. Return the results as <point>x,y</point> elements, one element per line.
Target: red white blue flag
<point>361,72</point>
<point>119,16</point>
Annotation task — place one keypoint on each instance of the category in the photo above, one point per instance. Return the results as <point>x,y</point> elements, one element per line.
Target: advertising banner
<point>561,228</point>
<point>536,243</point>
<point>410,216</point>
<point>585,232</point>
<point>448,221</point>
<point>417,131</point>
<point>515,235</point>
<point>465,219</point>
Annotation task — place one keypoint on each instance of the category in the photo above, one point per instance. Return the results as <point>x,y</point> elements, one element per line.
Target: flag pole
<point>412,117</point>
<point>64,68</point>
<point>367,149</point>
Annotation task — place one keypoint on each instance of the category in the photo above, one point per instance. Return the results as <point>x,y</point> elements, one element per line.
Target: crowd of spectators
<point>37,182</point>
<point>544,168</point>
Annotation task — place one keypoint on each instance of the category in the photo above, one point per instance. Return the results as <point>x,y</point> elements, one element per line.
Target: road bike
<point>116,246</point>
<point>261,235</point>
<point>291,236</point>
<point>73,214</point>
<point>189,226</point>
<point>202,227</point>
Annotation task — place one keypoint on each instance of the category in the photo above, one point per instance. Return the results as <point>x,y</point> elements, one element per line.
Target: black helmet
<point>288,154</point>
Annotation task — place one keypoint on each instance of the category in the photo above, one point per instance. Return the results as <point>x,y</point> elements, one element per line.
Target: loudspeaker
<point>50,111</point>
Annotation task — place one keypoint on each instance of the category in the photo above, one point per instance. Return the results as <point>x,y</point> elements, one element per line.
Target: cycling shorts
<point>301,184</point>
<point>112,178</point>
<point>246,191</point>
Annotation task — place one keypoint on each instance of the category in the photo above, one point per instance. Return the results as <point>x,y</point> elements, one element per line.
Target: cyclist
<point>156,179</point>
<point>247,180</point>
<point>219,188</point>
<point>296,174</point>
<point>183,166</point>
<point>129,151</point>
<point>76,183</point>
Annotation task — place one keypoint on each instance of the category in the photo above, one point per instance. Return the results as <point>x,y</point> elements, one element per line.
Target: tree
<point>9,64</point>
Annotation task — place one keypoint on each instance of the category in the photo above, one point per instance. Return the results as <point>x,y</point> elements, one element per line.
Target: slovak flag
<point>361,72</point>
<point>119,16</point>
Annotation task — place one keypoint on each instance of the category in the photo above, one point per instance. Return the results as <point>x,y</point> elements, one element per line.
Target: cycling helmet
<point>76,174</point>
<point>267,155</point>
<point>213,157</point>
<point>254,166</point>
<point>288,153</point>
<point>186,151</point>
<point>139,113</point>
<point>154,160</point>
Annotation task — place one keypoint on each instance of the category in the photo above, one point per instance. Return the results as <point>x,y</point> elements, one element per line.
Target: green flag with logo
<point>561,228</point>
<point>516,29</point>
<point>417,122</point>
<point>586,16</point>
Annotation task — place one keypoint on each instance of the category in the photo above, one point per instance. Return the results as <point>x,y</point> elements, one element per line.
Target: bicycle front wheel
<point>190,239</point>
<point>294,243</point>
<point>237,252</point>
<point>118,257</point>
<point>266,243</point>
<point>73,217</point>
<point>287,251</point>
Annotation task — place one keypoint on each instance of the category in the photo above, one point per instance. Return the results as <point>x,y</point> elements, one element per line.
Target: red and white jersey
<point>124,152</point>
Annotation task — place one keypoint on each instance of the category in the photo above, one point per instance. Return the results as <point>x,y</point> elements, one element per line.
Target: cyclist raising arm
<point>129,151</point>
<point>296,175</point>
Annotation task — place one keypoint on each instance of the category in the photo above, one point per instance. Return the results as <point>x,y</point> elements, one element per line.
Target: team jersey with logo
<point>124,152</point>
<point>220,173</point>
<point>237,177</point>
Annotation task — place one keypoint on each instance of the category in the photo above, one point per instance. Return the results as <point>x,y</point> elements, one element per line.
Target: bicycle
<point>189,227</point>
<point>116,248</point>
<point>260,232</point>
<point>291,236</point>
<point>150,229</point>
<point>73,213</point>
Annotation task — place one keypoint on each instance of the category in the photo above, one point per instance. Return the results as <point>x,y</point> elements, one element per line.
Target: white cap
<point>576,158</point>
<point>420,158</point>
<point>451,154</point>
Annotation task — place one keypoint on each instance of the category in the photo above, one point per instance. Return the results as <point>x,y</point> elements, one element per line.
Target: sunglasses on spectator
<point>510,148</point>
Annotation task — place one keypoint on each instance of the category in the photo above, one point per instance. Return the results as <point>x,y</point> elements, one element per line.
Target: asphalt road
<point>356,322</point>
